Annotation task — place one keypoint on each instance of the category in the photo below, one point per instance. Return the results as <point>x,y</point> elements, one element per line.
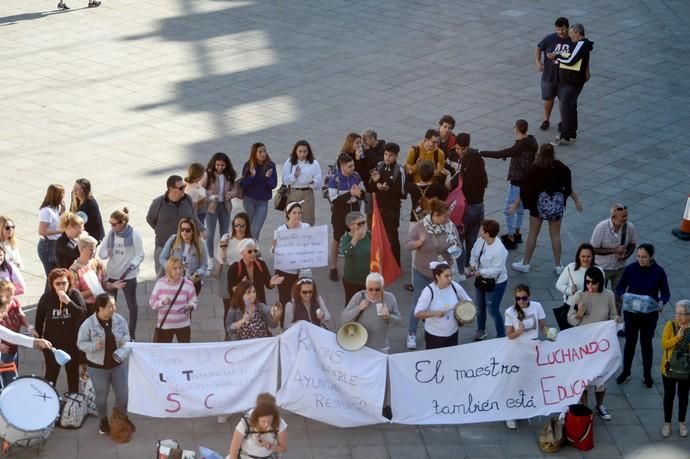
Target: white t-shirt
<point>533,314</point>
<point>250,445</point>
<point>443,300</point>
<point>50,215</point>
<point>196,192</point>
<point>284,227</point>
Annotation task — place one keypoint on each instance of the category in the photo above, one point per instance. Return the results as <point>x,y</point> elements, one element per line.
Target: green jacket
<point>356,258</point>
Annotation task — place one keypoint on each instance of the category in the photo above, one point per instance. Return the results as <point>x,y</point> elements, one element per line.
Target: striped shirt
<point>163,292</point>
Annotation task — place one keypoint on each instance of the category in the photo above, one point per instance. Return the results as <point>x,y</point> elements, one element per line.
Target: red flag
<point>382,259</point>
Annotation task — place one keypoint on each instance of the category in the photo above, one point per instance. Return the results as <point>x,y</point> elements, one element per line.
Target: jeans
<point>643,325</point>
<point>492,302</point>
<point>474,214</point>
<point>670,385</point>
<point>513,222</point>
<point>46,253</point>
<point>102,380</point>
<point>419,281</point>
<point>257,211</point>
<point>567,96</point>
<point>221,216</point>
<point>130,291</point>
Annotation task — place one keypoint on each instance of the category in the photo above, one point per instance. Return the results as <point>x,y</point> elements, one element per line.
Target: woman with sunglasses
<point>8,241</point>
<point>220,189</point>
<point>124,250</point>
<point>676,336</point>
<point>259,178</point>
<point>523,321</point>
<point>293,215</point>
<point>436,307</point>
<point>59,315</point>
<point>83,201</point>
<point>250,267</point>
<point>593,304</point>
<point>187,245</point>
<point>646,283</point>
<point>355,245</point>
<point>249,317</point>
<point>49,226</point>
<point>228,252</point>
<point>306,304</point>
<point>10,272</point>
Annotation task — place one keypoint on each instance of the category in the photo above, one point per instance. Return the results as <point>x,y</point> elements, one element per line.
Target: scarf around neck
<point>438,230</point>
<point>126,234</point>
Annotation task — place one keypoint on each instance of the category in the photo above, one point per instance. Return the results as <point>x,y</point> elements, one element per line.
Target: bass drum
<point>29,408</point>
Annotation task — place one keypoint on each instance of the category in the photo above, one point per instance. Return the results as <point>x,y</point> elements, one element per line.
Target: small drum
<point>29,408</point>
<point>465,313</point>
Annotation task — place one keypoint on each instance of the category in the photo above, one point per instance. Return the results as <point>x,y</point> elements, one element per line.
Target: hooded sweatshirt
<point>572,67</point>
<point>57,322</point>
<point>521,156</point>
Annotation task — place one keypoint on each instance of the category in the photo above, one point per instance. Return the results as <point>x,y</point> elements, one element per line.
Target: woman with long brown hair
<point>248,317</point>
<point>306,304</point>
<point>220,189</point>
<point>188,246</point>
<point>259,178</point>
<point>49,225</point>
<point>302,174</point>
<point>83,201</point>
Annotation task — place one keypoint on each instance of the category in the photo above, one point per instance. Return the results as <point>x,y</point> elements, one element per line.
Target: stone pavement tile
<point>407,451</point>
<point>447,435</point>
<point>364,436</point>
<point>331,452</point>
<point>403,436</point>
<point>327,438</point>
<point>443,451</point>
<point>370,452</point>
<point>484,451</point>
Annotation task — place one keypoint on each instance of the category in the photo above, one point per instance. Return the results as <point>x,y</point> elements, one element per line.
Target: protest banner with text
<point>501,379</point>
<point>322,381</point>
<point>301,248</point>
<point>200,379</point>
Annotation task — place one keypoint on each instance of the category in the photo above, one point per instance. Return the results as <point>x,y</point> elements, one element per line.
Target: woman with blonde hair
<point>49,225</point>
<point>8,241</point>
<point>83,201</point>
<point>124,250</point>
<point>187,245</point>
<point>174,298</point>
<point>89,272</point>
<point>259,178</point>
<point>261,432</point>
<point>66,250</point>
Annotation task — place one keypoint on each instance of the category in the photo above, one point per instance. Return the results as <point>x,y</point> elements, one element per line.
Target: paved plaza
<point>131,92</point>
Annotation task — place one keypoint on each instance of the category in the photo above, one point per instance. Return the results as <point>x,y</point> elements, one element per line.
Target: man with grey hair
<point>614,240</point>
<point>573,73</point>
<point>375,309</point>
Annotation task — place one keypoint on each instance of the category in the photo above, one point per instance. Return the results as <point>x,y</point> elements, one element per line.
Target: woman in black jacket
<point>545,190</point>
<point>83,201</point>
<point>253,269</point>
<point>59,315</point>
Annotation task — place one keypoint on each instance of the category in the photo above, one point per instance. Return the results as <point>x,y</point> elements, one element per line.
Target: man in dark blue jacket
<point>573,73</point>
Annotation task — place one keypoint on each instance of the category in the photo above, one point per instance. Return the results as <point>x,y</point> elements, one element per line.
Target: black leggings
<point>670,385</point>
<point>71,369</point>
<point>644,326</point>
<point>436,342</point>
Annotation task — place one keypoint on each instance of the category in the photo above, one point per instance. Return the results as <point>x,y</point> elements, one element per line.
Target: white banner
<point>200,379</point>
<point>322,381</point>
<point>301,248</point>
<point>501,379</point>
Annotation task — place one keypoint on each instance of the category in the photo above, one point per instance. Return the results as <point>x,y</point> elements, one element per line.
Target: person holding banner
<point>355,245</point>
<point>293,214</point>
<point>436,307</point>
<point>434,238</point>
<point>253,269</point>
<point>488,263</point>
<point>306,304</point>
<point>261,433</point>
<point>594,304</point>
<point>248,316</point>
<point>523,321</point>
<point>675,339</point>
<point>375,309</point>
<point>643,283</point>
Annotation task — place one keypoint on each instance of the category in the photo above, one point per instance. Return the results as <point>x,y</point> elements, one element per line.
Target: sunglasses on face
<point>307,292</point>
<point>358,224</point>
<point>61,283</point>
<point>114,223</point>
<point>180,188</point>
<point>621,208</point>
<point>239,225</point>
<point>186,230</point>
<point>590,281</point>
<point>9,227</point>
<point>521,298</point>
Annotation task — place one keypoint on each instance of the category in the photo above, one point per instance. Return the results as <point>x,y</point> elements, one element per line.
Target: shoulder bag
<point>678,363</point>
<point>156,332</point>
<point>485,284</point>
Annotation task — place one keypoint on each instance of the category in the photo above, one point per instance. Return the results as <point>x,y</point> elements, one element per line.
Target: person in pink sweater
<point>174,298</point>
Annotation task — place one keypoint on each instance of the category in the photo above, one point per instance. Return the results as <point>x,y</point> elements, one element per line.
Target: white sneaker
<point>558,269</point>
<point>412,341</point>
<point>520,266</point>
<point>222,419</point>
<point>461,278</point>
<point>511,424</point>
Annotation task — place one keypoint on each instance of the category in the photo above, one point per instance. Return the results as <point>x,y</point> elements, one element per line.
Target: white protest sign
<point>200,379</point>
<point>301,248</point>
<point>322,381</point>
<point>501,379</point>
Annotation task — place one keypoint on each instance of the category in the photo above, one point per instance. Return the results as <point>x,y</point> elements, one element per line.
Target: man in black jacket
<point>387,182</point>
<point>573,73</point>
<point>521,155</point>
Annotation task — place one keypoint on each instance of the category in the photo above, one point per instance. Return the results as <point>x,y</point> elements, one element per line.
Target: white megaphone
<point>61,357</point>
<point>352,336</point>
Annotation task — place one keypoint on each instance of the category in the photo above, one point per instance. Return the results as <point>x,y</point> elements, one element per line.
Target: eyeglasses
<point>590,281</point>
<point>375,289</point>
<point>61,283</point>
<point>9,227</point>
<point>521,298</point>
<point>306,292</point>
<point>681,313</point>
<point>114,223</point>
<point>181,188</point>
<point>239,225</point>
<point>252,251</point>
<point>358,224</point>
<point>186,230</point>
<point>621,208</point>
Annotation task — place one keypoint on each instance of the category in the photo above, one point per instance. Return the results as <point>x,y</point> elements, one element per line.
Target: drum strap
<point>432,293</point>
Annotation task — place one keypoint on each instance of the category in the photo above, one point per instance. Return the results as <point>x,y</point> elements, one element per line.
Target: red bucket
<point>579,427</point>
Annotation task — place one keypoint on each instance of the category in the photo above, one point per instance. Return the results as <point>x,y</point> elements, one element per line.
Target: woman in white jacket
<point>572,279</point>
<point>488,261</point>
<point>436,307</point>
<point>124,250</point>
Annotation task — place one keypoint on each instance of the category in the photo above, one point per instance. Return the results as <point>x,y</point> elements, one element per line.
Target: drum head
<point>465,311</point>
<point>29,403</point>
